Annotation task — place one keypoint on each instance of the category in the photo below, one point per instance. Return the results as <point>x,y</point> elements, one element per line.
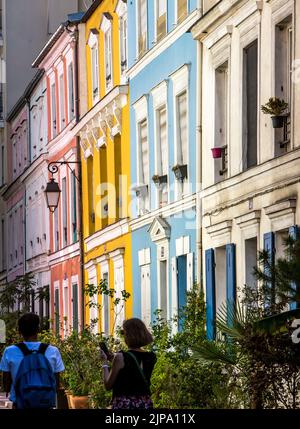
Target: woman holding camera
<point>130,374</point>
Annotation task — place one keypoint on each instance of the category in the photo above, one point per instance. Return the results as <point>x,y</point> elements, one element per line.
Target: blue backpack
<point>35,383</point>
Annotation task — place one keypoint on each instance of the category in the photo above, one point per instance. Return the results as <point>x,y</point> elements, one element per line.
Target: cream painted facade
<point>249,53</point>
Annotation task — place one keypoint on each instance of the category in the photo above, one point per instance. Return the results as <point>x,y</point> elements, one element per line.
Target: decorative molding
<point>159,95</point>
<point>106,22</point>
<point>93,37</point>
<point>159,230</point>
<point>141,108</point>
<point>121,8</point>
<point>180,79</point>
<point>282,214</point>
<point>109,233</point>
<point>248,219</point>
<point>219,228</point>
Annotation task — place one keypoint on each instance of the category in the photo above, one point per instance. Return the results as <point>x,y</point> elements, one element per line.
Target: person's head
<point>136,334</point>
<point>29,325</point>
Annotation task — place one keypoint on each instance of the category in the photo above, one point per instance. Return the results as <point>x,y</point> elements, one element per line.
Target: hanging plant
<point>276,108</point>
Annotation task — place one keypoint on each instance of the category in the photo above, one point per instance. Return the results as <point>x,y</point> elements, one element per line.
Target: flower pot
<point>278,121</point>
<point>68,395</point>
<point>180,172</point>
<point>216,152</point>
<point>79,402</point>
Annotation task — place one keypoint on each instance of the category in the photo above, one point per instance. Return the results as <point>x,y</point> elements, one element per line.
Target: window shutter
<point>269,246</point>
<point>190,271</point>
<point>230,277</point>
<point>174,311</point>
<point>294,232</point>
<point>75,307</point>
<point>210,294</point>
<point>56,309</point>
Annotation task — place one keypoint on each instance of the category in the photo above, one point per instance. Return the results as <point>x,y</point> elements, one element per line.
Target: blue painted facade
<point>182,52</point>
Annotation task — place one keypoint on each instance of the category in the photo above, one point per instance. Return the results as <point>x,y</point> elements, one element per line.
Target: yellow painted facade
<point>105,143</point>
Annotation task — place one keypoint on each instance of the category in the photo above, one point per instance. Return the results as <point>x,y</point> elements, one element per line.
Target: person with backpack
<point>31,369</point>
<point>131,371</point>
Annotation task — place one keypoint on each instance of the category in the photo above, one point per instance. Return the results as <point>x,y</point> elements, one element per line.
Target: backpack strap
<point>24,349</point>
<point>43,347</point>
<point>139,367</point>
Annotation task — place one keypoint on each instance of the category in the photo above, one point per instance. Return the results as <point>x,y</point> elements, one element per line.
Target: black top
<point>129,380</point>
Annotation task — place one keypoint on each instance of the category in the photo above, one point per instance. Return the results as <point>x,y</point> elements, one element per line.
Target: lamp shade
<point>52,193</point>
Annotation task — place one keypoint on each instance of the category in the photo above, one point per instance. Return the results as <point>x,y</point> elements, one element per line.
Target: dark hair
<point>29,324</point>
<point>136,334</point>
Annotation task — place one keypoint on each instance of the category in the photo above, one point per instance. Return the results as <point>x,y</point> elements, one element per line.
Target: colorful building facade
<point>162,73</point>
<point>57,59</point>
<point>105,156</point>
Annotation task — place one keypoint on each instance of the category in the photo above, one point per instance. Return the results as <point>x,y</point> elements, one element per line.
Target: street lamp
<point>52,191</point>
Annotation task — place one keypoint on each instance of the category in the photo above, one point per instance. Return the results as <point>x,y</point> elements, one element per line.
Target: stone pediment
<point>159,229</point>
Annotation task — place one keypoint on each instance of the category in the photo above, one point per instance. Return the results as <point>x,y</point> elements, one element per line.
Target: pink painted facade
<point>14,194</point>
<point>64,256</point>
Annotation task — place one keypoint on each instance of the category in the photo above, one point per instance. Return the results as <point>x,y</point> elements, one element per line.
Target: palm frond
<point>210,352</point>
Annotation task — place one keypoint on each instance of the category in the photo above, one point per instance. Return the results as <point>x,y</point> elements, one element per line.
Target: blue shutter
<point>181,283</point>
<point>294,233</point>
<point>210,294</point>
<point>269,246</point>
<point>230,277</point>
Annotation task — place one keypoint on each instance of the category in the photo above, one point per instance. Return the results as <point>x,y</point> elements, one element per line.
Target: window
<point>66,307</point>
<point>283,79</point>
<point>62,102</point>
<point>95,71</point>
<point>106,308</point>
<point>145,295</point>
<point>250,261</point>
<point>161,19</point>
<point>64,212</point>
<point>162,155</point>
<point>53,109</point>
<point>94,316</point>
<point>284,59</point>
<point>56,310</point>
<point>182,151</point>
<point>221,115</point>
<point>71,92</point>
<point>144,172</point>
<point>250,105</point>
<point>119,287</point>
<point>108,58</point>
<point>123,43</point>
<point>142,27</point>
<point>56,230</point>
<point>74,206</point>
<point>163,283</point>
<point>182,10</point>
<point>144,152</point>
<point>90,172</point>
<point>220,273</point>
<point>75,307</point>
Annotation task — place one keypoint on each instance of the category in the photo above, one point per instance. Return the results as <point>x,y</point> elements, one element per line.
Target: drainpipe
<point>199,165</point>
<point>80,206</point>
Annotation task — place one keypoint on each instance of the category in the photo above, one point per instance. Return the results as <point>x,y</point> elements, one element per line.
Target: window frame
<point>139,34</point>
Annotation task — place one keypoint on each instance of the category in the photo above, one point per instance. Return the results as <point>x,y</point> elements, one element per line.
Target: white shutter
<point>145,295</point>
<point>174,311</point>
<point>190,270</point>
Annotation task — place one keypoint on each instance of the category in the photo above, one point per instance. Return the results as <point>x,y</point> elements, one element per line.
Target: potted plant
<point>275,107</point>
<point>160,180</point>
<point>180,171</point>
